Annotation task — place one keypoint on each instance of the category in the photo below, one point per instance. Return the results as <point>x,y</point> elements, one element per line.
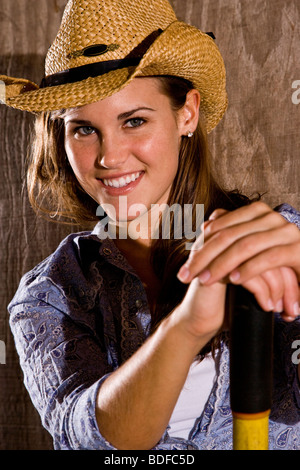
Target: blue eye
<point>85,130</point>
<point>135,122</point>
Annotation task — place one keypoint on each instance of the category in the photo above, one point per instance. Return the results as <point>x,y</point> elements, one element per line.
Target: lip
<point>125,189</point>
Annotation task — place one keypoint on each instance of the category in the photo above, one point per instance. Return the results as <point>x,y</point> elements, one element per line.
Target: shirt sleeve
<point>64,363</point>
<point>286,362</point>
<point>291,214</point>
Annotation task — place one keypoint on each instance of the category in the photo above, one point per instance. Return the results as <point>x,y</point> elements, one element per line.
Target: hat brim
<point>181,50</point>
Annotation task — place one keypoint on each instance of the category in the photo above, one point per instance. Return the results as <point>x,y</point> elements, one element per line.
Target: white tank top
<point>193,397</point>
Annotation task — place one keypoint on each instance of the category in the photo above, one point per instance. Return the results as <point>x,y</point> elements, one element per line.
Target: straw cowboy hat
<point>103,44</point>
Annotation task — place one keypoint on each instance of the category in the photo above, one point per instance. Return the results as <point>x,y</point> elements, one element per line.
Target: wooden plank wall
<point>255,147</point>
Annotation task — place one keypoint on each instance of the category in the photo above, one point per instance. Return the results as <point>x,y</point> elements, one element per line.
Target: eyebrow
<point>126,115</point>
<point>79,122</point>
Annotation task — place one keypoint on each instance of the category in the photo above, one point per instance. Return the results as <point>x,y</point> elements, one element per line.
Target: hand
<point>255,247</point>
<point>202,311</point>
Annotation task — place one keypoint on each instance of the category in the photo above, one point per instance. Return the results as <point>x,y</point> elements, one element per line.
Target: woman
<point>111,329</point>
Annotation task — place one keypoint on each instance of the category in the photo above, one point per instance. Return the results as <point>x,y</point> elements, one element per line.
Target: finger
<point>234,232</point>
<point>274,280</point>
<point>277,291</point>
<point>291,295</point>
<point>273,257</point>
<point>227,251</point>
<point>216,214</point>
<point>256,247</point>
<point>253,211</point>
<point>260,289</point>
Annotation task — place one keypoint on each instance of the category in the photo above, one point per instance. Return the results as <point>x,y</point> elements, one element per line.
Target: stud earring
<point>190,134</point>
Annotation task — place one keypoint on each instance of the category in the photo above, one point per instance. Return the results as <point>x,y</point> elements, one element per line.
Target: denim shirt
<point>82,312</point>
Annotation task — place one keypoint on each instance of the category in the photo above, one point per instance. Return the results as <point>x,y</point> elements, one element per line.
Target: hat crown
<point>102,45</point>
<point>116,27</point>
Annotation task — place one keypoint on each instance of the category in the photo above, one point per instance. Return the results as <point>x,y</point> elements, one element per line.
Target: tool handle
<point>251,353</point>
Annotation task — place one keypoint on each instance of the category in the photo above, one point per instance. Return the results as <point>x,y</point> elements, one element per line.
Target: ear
<point>189,114</point>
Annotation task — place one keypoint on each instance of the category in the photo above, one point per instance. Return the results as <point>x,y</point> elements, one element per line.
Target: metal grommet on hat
<point>102,45</point>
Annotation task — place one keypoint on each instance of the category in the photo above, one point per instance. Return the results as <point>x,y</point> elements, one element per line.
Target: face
<point>124,149</point>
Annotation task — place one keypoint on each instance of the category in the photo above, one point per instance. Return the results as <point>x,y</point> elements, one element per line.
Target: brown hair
<point>53,189</point>
<point>55,192</point>
<point>194,184</point>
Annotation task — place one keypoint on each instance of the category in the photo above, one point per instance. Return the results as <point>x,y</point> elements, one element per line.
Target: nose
<point>113,152</point>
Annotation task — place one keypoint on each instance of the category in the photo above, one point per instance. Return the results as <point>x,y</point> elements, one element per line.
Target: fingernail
<point>205,224</point>
<point>234,276</point>
<point>204,276</point>
<point>279,306</point>
<point>270,305</point>
<point>183,274</point>
<point>289,319</point>
<point>296,309</point>
<point>207,229</point>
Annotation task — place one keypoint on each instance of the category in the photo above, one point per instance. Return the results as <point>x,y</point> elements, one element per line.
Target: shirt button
<point>138,303</point>
<point>106,251</point>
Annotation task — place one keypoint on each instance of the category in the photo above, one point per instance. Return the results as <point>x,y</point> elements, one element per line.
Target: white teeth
<point>121,182</point>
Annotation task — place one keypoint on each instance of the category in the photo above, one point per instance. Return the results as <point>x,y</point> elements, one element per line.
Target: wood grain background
<point>255,147</point>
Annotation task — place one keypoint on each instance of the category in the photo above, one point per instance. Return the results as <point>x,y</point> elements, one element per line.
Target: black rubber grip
<point>251,353</point>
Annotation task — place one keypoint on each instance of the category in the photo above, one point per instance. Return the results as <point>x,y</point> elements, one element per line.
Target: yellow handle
<point>251,431</point>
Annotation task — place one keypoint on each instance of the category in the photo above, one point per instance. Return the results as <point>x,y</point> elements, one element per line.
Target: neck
<point>134,239</point>
<point>138,232</point>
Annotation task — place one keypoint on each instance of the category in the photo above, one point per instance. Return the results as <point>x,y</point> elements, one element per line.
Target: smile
<point>122,181</point>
